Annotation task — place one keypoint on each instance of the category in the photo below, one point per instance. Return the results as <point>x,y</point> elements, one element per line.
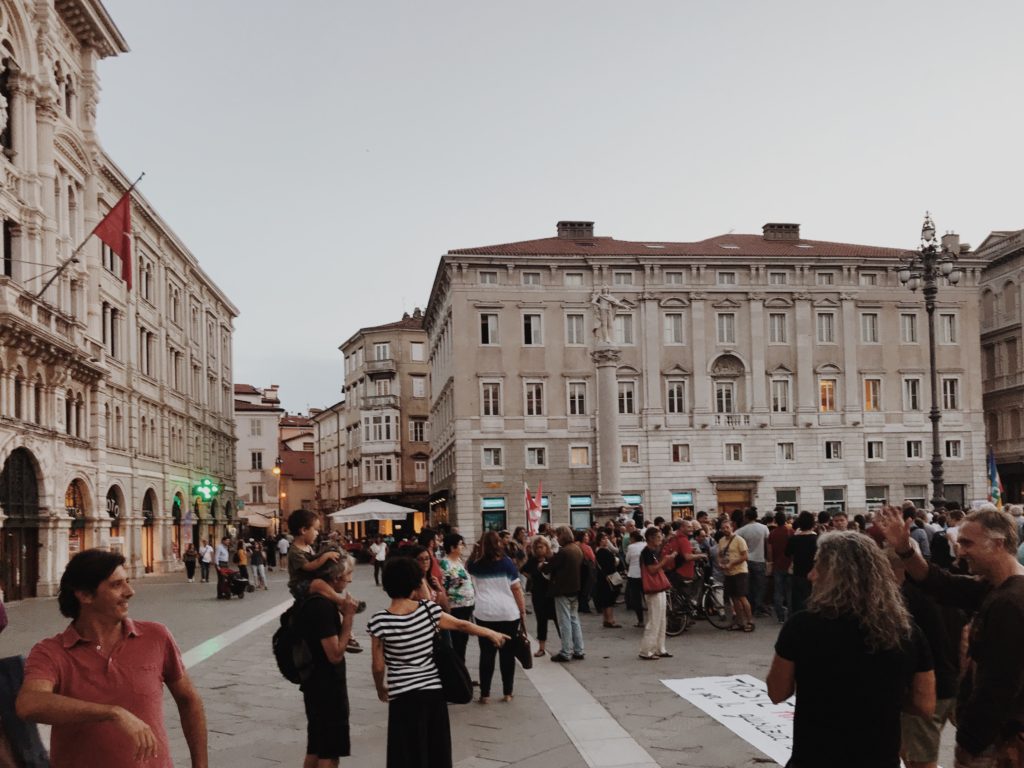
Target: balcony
<point>380,366</point>
<point>372,402</point>
<point>731,420</point>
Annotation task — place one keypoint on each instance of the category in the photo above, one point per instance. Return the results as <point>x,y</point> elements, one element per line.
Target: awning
<point>371,509</point>
<point>255,519</point>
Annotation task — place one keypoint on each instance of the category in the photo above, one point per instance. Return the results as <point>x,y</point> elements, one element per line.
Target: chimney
<point>576,230</point>
<point>774,231</point>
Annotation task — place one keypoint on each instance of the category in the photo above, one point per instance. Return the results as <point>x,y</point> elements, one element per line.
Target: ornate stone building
<point>743,369</point>
<point>1002,364</point>
<point>115,402</point>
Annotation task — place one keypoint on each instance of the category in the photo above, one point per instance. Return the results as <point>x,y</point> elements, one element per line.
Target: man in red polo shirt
<point>100,682</point>
<point>683,574</point>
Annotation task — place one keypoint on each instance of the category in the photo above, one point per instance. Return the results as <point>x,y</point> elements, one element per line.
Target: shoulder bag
<point>455,680</point>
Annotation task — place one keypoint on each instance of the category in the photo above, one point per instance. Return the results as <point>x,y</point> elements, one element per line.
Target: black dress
<point>604,594</point>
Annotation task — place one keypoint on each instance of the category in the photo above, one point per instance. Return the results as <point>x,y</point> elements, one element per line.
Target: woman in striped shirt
<point>402,637</point>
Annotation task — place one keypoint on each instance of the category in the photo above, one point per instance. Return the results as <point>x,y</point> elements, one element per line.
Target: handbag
<point>614,579</point>
<point>523,649</point>
<point>455,680</point>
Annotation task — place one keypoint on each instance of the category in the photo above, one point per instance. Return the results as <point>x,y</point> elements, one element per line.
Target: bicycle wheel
<point>714,607</point>
<point>675,615</point>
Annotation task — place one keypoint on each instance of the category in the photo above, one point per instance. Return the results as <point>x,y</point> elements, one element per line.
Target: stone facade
<point>115,402</point>
<point>756,369</point>
<point>1002,366</point>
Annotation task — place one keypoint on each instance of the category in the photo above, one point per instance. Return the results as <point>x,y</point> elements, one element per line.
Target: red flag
<point>115,229</point>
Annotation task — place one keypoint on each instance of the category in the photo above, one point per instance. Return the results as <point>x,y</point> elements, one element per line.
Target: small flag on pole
<point>115,230</point>
<point>995,485</point>
<point>533,509</point>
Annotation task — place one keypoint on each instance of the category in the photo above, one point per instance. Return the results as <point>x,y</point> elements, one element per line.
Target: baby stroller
<point>231,582</point>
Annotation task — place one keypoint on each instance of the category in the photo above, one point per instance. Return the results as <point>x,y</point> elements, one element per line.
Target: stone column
<point>609,485</point>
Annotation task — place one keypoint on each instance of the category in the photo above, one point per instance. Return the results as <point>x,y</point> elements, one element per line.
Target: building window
<point>491,398</point>
<point>780,395</point>
<point>627,397</point>
<point>256,494</point>
<point>418,430</point>
<point>911,394</point>
<point>574,333</point>
<point>534,398</point>
<point>420,471</point>
<point>417,351</point>
<point>777,278</point>
<point>673,278</point>
<point>419,386</point>
<point>868,279</point>
<point>536,456</point>
<point>573,279</point>
<point>623,329</point>
<point>533,335</point>
<point>725,397</point>
<point>833,450</point>
<point>631,454</point>
<point>734,451</point>
<point>726,278</point>
<point>825,278</point>
<point>531,278</point>
<point>787,452</point>
<point>835,500</point>
<point>492,457</point>
<point>947,326</point>
<point>951,394</point>
<point>673,328</point>
<point>676,396</point>
<point>256,458</point>
<point>908,327</point>
<point>577,398</point>
<point>875,497</point>
<point>579,456</point>
<point>726,322</point>
<point>869,328</point>
<point>915,449</point>
<point>488,328</point>
<point>622,278</point>
<point>680,453</point>
<point>954,449</point>
<point>872,394</point>
<point>875,450</point>
<point>487,277</point>
<point>826,328</point>
<point>777,327</point>
<point>827,395</point>
<point>382,351</point>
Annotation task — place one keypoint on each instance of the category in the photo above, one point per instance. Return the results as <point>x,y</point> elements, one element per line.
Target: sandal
<point>612,625</point>
<point>540,652</point>
<point>749,627</point>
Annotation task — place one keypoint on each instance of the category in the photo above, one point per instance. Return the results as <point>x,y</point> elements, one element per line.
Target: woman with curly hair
<point>854,657</point>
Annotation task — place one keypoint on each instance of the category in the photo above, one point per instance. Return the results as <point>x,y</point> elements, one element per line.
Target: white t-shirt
<point>633,559</point>
<point>379,551</point>
<point>755,534</point>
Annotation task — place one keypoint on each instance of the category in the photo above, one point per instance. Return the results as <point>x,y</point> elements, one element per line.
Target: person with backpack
<point>325,630</point>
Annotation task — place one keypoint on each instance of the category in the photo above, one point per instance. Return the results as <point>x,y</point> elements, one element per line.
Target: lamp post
<point>922,269</point>
<point>277,494</point>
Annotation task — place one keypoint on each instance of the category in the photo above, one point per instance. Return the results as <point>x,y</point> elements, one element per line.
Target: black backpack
<point>290,649</point>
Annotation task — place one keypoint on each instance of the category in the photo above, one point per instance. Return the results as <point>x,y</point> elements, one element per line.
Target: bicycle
<point>709,604</point>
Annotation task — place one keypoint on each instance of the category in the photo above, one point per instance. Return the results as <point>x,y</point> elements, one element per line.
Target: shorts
<point>327,731</point>
<point>736,586</point>
<point>921,735</point>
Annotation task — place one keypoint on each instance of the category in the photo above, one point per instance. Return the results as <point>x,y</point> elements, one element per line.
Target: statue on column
<point>606,304</point>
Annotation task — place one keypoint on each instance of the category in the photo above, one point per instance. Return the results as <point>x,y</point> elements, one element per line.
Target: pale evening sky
<point>318,157</point>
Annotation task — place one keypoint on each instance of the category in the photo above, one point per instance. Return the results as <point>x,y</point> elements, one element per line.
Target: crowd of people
<point>894,625</point>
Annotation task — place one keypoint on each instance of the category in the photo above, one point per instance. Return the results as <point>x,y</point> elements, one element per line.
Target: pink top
<point>132,677</point>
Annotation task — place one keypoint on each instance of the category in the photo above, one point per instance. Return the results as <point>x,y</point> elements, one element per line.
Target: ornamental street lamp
<point>922,269</point>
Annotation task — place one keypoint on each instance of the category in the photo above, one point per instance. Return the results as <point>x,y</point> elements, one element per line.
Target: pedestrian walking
<point>189,558</point>
<point>564,570</point>
<point>540,591</point>
<point>205,560</point>
<point>458,586</point>
<point>856,650</point>
<point>499,607</point>
<point>404,672</point>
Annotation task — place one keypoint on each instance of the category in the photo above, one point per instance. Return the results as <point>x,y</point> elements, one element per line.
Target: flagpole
<point>81,245</point>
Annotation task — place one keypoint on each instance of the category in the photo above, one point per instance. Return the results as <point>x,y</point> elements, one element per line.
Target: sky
<point>319,156</point>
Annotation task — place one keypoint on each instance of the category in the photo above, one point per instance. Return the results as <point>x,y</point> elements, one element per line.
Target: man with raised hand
<point>990,702</point>
<point>100,682</point>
